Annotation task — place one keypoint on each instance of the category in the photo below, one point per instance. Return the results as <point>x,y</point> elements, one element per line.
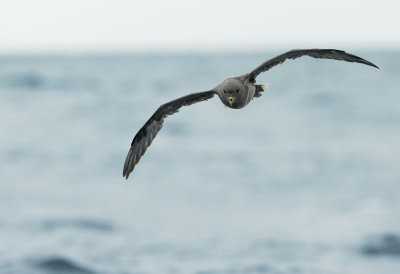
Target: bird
<point>234,92</point>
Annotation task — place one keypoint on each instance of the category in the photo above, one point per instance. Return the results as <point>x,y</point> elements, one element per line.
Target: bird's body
<point>234,92</point>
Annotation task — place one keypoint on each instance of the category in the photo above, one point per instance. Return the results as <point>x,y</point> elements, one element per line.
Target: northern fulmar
<point>234,92</point>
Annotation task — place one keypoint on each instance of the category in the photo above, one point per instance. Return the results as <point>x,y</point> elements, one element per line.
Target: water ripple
<point>383,245</point>
<point>80,223</point>
<point>61,265</point>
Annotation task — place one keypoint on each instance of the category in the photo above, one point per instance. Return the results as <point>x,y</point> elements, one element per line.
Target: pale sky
<point>174,25</point>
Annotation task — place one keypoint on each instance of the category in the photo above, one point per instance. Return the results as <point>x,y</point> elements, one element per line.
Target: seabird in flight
<point>235,92</point>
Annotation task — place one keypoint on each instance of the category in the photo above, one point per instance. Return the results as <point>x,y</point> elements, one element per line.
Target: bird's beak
<point>230,100</point>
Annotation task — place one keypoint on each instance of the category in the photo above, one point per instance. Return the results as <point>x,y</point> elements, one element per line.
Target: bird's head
<point>232,93</point>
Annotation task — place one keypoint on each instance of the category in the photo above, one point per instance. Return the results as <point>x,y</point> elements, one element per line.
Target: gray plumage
<point>235,92</point>
<point>146,134</point>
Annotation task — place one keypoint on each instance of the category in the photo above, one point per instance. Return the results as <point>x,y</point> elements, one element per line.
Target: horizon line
<point>181,51</point>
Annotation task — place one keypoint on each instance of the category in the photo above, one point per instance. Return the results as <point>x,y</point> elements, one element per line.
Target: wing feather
<point>148,132</point>
<point>315,53</point>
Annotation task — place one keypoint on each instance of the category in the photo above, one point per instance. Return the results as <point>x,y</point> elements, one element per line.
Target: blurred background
<point>305,179</point>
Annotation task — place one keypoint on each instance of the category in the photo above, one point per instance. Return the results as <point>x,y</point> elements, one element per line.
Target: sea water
<point>305,179</point>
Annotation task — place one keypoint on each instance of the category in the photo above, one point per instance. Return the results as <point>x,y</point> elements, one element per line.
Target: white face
<point>232,93</point>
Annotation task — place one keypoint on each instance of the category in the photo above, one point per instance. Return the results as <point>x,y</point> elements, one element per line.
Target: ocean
<point>305,179</point>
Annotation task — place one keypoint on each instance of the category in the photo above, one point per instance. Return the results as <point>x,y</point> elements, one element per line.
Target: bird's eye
<point>224,91</point>
<point>237,91</point>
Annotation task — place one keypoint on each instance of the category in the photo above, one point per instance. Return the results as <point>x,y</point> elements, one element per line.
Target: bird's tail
<point>260,88</point>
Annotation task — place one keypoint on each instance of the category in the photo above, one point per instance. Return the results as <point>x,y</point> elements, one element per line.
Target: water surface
<point>305,179</point>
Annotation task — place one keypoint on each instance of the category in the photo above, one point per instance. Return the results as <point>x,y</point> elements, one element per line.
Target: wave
<point>79,223</point>
<point>61,265</point>
<point>35,81</point>
<point>386,244</point>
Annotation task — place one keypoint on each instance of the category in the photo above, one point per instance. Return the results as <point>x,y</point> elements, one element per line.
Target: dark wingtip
<point>371,64</point>
<point>125,174</point>
<point>126,171</point>
<point>366,62</point>
<point>357,59</point>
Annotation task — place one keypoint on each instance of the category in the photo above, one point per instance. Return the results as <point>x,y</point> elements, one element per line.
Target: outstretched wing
<point>315,53</point>
<point>148,132</point>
